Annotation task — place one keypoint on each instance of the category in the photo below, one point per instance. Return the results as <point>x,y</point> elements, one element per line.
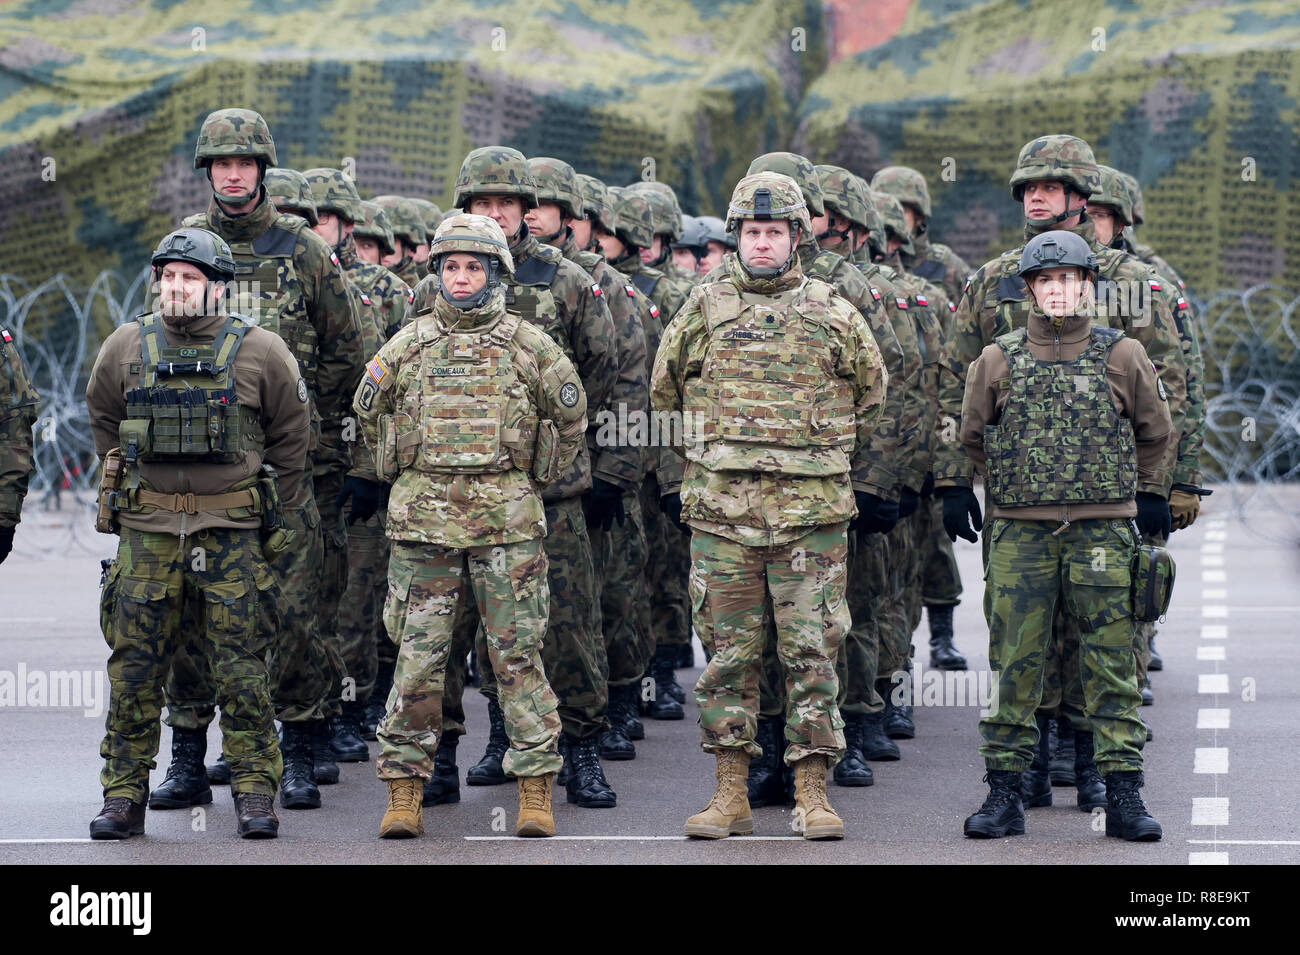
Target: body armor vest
<point>1060,439</point>
<point>766,381</point>
<point>185,408</point>
<point>932,270</point>
<point>529,292</point>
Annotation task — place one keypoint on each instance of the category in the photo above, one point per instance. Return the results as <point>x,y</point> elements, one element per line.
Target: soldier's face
<point>912,217</point>
<point>1106,222</point>
<point>508,211</point>
<point>820,224</point>
<point>581,231</point>
<point>1044,198</point>
<point>1058,291</point>
<point>368,250</point>
<point>610,245</point>
<point>185,292</point>
<point>656,249</point>
<point>765,243</point>
<point>330,227</point>
<point>234,176</point>
<point>421,253</point>
<point>684,259</point>
<point>713,258</point>
<point>462,275</point>
<point>394,260</point>
<point>544,220</point>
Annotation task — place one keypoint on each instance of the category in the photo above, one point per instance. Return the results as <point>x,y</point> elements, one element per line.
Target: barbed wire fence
<point>1250,341</point>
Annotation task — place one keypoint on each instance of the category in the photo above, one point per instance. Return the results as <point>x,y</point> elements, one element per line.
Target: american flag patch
<point>595,288</point>
<point>376,371</point>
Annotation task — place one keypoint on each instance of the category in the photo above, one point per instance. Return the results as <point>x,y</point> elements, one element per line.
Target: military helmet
<point>1066,159</point>
<point>906,185</point>
<point>557,183</point>
<point>430,214</point>
<point>1139,210</point>
<point>597,203</point>
<point>335,193</point>
<point>801,170</point>
<point>374,224</point>
<point>404,217</point>
<point>768,195</point>
<point>893,220</point>
<point>1057,249</point>
<point>694,235</point>
<point>234,132</point>
<point>1113,192</point>
<point>716,231</point>
<point>465,232</point>
<point>497,171</point>
<point>844,194</point>
<point>288,190</point>
<point>636,219</point>
<point>663,202</point>
<point>199,247</point>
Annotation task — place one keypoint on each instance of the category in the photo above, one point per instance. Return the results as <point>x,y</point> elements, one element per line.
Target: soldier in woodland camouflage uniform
<point>373,234</point>
<point>767,492</point>
<point>431,216</point>
<point>932,261</point>
<point>17,416</point>
<point>667,217</point>
<point>297,290</point>
<point>409,235</point>
<point>469,411</point>
<point>1066,469</point>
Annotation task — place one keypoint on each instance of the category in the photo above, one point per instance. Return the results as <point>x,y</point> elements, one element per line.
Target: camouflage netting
<point>105,98</point>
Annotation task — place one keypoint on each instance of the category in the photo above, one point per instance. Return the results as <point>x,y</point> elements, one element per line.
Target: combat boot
<point>487,771</point>
<point>535,817</point>
<point>119,819</point>
<point>566,768</point>
<point>219,772</point>
<point>852,769</point>
<point>324,770</point>
<point>345,736</point>
<point>1092,791</point>
<point>403,819</point>
<point>623,711</point>
<point>943,654</point>
<point>813,815</point>
<point>1156,662</point>
<point>727,813</point>
<point>1002,813</point>
<point>685,658</point>
<point>586,785</point>
<point>614,743</point>
<point>764,785</point>
<point>256,816</point>
<point>1126,816</point>
<point>665,705</point>
<point>297,788</point>
<point>1061,768</point>
<point>876,746</point>
<point>443,787</point>
<point>1035,784</point>
<point>187,781</point>
<point>1148,695</point>
<point>898,722</point>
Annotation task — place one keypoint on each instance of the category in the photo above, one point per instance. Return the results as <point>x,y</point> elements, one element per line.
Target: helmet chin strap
<point>1057,220</point>
<point>236,201</point>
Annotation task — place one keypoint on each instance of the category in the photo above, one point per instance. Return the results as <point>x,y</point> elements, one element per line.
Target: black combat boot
<point>119,819</point>
<point>876,746</point>
<point>378,702</point>
<point>943,655</point>
<point>487,771</point>
<point>256,816</point>
<point>586,785</point>
<point>345,736</point>
<point>633,728</point>
<point>685,658</point>
<point>665,705</point>
<point>1126,817</point>
<point>219,772</point>
<point>1148,695</point>
<point>297,788</point>
<point>1061,767</point>
<point>1156,662</point>
<point>852,769</point>
<point>443,787</point>
<point>614,742</point>
<point>187,781</point>
<point>1035,785</point>
<point>764,783</point>
<point>1002,813</point>
<point>324,770</point>
<point>897,720</point>
<point>1092,791</point>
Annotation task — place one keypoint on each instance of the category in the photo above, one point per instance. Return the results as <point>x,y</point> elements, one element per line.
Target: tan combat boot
<point>403,820</point>
<point>727,813</point>
<point>813,815</point>
<point>535,817</point>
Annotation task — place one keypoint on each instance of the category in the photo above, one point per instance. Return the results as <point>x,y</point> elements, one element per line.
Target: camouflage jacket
<point>18,401</point>
<point>408,270</point>
<point>935,262</point>
<point>380,292</point>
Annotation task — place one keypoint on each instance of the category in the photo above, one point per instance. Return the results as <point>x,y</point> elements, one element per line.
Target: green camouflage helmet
<point>430,213</point>
<point>234,132</point>
<point>663,202</point>
<point>1113,192</point>
<point>557,183</point>
<point>636,220</point>
<point>199,247</point>
<point>893,221</point>
<point>594,194</point>
<point>288,191</point>
<point>1135,190</point>
<point>1066,159</point>
<point>464,232</point>
<point>404,217</point>
<point>495,171</point>
<point>904,184</point>
<point>768,195</point>
<point>335,193</point>
<point>374,224</point>
<point>1056,249</point>
<point>845,194</point>
<point>801,170</point>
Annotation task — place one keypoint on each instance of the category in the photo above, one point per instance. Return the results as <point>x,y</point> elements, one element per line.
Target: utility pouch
<point>546,461</point>
<point>110,481</point>
<point>1153,582</point>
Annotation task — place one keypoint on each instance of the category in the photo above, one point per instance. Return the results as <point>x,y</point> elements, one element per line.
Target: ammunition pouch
<point>546,460</point>
<point>1153,582</point>
<point>110,483</point>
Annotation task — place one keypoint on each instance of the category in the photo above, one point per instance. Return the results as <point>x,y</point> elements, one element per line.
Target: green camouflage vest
<point>1060,439</point>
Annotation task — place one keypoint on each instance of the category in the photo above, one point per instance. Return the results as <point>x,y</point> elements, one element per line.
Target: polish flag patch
<point>595,289</point>
<point>334,258</point>
<point>952,307</point>
<point>631,292</point>
<point>1155,286</point>
<point>654,310</point>
<point>875,292</point>
<point>902,302</point>
<point>922,300</point>
<point>4,332</point>
<point>410,295</point>
<point>1182,303</point>
<point>365,299</point>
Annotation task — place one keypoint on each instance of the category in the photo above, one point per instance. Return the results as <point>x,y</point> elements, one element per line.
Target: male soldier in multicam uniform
<point>17,416</point>
<point>469,411</point>
<point>937,263</point>
<point>1068,423</point>
<point>778,381</point>
<point>189,402</point>
<point>410,236</point>
<point>296,289</point>
<point>565,302</point>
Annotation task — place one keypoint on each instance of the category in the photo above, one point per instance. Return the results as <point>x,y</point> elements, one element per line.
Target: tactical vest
<point>529,291</point>
<point>186,408</point>
<point>475,412</point>
<point>932,270</point>
<point>1060,439</point>
<point>766,382</point>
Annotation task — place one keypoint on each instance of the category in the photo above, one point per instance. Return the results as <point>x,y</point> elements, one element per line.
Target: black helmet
<point>198,247</point>
<point>1055,250</point>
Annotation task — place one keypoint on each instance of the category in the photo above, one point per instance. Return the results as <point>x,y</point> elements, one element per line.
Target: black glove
<point>927,486</point>
<point>671,504</point>
<point>961,514</point>
<point>603,505</point>
<point>6,542</point>
<point>875,514</point>
<point>366,497</point>
<point>1153,517</point>
<point>908,502</point>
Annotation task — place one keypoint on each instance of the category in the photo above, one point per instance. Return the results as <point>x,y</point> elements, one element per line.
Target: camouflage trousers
<point>940,578</point>
<point>573,649</point>
<point>729,585</point>
<point>428,589</point>
<point>223,582</point>
<point>668,566</point>
<point>624,606</point>
<point>333,580</point>
<point>895,625</point>
<point>360,614</point>
<point>1034,568</point>
<point>303,668</point>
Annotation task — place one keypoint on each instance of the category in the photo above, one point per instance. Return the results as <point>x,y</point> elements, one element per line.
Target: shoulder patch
<point>952,307</point>
<point>334,258</point>
<point>377,371</point>
<point>365,299</point>
<point>922,300</point>
<point>902,302</point>
<point>4,333</point>
<point>631,292</point>
<point>654,310</point>
<point>410,295</point>
<point>595,289</point>
<point>966,287</point>
<point>875,292</point>
<point>1182,303</point>
<point>302,390</point>
<point>569,394</point>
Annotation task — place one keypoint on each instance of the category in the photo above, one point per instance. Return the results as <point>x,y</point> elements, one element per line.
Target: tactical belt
<point>193,503</point>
